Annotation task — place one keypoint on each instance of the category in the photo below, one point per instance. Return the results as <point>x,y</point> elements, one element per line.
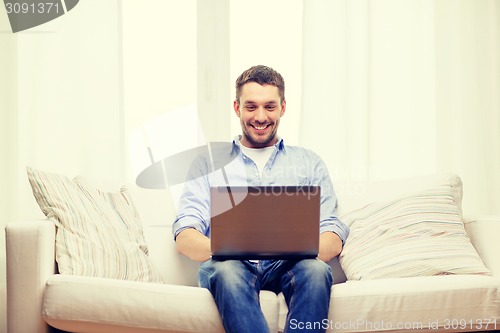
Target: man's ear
<point>236,106</point>
<point>283,108</point>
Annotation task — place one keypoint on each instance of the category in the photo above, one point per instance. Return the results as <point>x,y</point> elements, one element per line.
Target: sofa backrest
<point>157,211</point>
<point>354,195</point>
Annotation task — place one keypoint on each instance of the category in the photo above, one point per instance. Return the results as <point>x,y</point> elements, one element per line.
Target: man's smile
<point>260,128</point>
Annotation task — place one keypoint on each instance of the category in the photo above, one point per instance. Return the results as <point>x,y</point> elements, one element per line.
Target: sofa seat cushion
<point>417,304</point>
<point>87,304</point>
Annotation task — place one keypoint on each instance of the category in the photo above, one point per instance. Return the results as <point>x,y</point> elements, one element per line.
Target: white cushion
<point>484,234</point>
<point>420,234</point>
<point>98,233</point>
<point>174,268</point>
<point>82,304</point>
<point>155,206</point>
<point>419,304</point>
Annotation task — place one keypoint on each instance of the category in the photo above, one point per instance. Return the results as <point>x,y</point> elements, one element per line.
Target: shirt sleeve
<point>328,211</point>
<point>194,203</point>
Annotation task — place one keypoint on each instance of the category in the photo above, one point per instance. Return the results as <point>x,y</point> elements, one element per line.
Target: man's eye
<point>250,107</point>
<point>271,107</point>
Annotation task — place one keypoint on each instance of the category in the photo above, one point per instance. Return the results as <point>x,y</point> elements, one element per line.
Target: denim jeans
<point>235,286</point>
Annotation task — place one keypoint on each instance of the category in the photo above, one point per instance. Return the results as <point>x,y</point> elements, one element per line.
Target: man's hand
<point>330,246</point>
<point>193,244</point>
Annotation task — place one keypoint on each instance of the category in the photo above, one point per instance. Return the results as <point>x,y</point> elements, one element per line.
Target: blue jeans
<point>235,286</point>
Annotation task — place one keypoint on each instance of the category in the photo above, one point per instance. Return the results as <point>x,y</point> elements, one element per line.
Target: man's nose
<point>260,115</point>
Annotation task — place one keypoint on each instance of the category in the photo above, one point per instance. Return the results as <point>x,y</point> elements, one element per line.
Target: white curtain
<point>397,88</point>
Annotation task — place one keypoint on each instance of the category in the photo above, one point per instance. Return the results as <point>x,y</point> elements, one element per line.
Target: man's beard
<point>259,143</point>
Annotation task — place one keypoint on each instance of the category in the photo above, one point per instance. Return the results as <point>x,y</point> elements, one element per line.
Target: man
<point>261,158</point>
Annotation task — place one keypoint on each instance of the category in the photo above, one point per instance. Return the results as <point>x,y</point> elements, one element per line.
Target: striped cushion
<point>421,234</point>
<point>99,234</point>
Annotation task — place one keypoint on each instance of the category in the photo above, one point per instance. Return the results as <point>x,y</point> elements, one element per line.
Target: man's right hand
<point>193,244</point>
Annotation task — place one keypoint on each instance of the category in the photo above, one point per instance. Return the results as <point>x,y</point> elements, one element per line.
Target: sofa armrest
<point>30,262</point>
<point>484,233</point>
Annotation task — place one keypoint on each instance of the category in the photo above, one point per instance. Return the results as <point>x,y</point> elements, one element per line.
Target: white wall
<point>268,33</point>
<point>159,79</point>
<point>402,137</point>
<point>397,89</point>
<point>175,61</point>
<point>68,112</point>
<point>468,98</point>
<point>368,82</point>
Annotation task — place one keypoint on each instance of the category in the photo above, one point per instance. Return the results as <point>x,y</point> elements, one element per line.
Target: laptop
<point>265,222</point>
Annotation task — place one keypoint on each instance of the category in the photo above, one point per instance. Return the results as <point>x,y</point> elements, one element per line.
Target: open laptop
<point>266,222</point>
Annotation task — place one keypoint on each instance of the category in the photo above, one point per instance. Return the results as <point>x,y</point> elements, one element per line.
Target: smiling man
<point>259,107</point>
<point>261,158</point>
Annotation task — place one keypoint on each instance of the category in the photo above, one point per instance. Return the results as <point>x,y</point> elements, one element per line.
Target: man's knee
<point>228,272</point>
<point>315,271</point>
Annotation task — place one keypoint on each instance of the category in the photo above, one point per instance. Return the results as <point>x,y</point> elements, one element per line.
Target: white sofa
<point>38,296</point>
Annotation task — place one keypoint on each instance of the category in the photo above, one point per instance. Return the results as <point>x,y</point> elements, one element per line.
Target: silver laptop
<point>267,222</point>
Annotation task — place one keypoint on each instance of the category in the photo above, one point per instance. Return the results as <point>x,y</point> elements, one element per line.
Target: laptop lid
<point>265,222</point>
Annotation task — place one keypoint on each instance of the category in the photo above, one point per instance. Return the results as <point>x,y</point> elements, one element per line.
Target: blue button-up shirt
<point>287,166</point>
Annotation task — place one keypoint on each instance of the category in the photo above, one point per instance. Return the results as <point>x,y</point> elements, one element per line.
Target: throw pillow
<point>99,234</point>
<point>420,234</point>
<point>121,198</point>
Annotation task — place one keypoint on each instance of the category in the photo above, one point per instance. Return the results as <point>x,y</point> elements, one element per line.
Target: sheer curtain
<point>405,88</point>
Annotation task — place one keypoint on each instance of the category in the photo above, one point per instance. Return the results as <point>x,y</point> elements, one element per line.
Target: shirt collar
<point>237,144</point>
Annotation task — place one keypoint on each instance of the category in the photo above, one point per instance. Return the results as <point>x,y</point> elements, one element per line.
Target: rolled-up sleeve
<point>194,203</point>
<point>328,211</point>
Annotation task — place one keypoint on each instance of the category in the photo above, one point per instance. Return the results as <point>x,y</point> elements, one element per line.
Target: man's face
<point>259,110</point>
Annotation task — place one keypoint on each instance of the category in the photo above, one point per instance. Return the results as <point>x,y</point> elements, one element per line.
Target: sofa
<point>40,299</point>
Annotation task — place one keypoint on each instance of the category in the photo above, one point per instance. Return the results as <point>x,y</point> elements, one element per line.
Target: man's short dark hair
<point>261,75</point>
